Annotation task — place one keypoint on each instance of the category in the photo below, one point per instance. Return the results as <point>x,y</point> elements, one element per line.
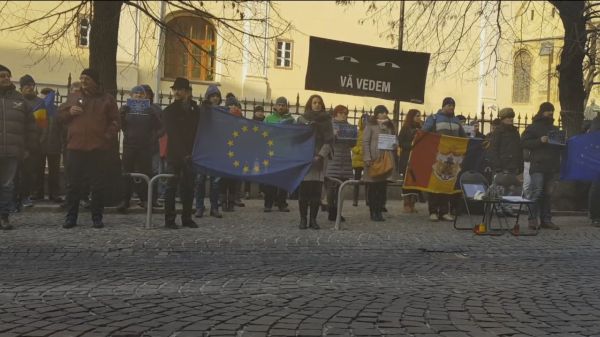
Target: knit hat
<point>546,106</point>
<point>506,113</point>
<point>93,74</point>
<point>26,80</point>
<point>448,100</point>
<point>380,109</point>
<point>3,68</point>
<point>138,89</point>
<point>231,100</point>
<point>339,109</point>
<point>281,100</point>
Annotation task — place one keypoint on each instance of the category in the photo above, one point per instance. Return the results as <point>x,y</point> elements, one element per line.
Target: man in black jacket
<point>544,165</point>
<point>181,120</point>
<point>17,137</point>
<point>594,199</point>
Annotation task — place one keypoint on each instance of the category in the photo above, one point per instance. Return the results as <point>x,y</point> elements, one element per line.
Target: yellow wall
<point>139,56</point>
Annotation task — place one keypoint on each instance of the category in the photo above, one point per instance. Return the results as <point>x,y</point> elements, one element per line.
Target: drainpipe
<point>159,54</point>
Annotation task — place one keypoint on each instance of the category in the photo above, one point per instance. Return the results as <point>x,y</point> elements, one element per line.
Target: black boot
<point>314,211</point>
<point>332,213</point>
<point>303,207</point>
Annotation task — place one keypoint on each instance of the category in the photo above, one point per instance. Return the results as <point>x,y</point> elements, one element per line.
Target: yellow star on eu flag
<point>265,163</point>
<point>265,134</point>
<point>271,153</point>
<point>230,142</point>
<point>255,129</point>
<point>270,142</point>
<point>245,128</point>
<point>256,169</point>
<point>235,134</point>
<point>246,169</point>
<point>236,163</point>
<point>231,154</point>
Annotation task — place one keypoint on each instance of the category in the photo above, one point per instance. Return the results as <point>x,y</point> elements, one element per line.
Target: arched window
<point>182,57</point>
<point>522,77</point>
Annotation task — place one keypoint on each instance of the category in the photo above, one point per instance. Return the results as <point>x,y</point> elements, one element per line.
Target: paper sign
<point>138,106</point>
<point>346,131</point>
<point>386,142</point>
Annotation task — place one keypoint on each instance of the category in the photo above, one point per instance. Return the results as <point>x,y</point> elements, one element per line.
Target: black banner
<point>361,70</point>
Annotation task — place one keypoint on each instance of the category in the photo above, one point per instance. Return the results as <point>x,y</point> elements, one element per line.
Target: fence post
<point>69,84</point>
<point>483,118</point>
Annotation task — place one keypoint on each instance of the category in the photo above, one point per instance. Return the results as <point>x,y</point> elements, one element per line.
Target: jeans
<point>594,200</point>
<point>8,170</point>
<point>213,194</point>
<point>137,160</point>
<point>526,180</point>
<point>82,165</point>
<point>541,188</point>
<point>377,192</point>
<point>184,179</point>
<point>53,175</point>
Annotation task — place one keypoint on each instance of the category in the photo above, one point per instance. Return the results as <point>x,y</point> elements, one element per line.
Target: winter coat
<point>276,118</point>
<point>544,157</point>
<point>357,157</point>
<point>97,127</point>
<point>340,165</point>
<point>505,152</point>
<point>444,124</point>
<point>321,124</point>
<point>370,148</point>
<point>180,124</point>
<point>140,131</point>
<point>405,140</point>
<point>18,131</point>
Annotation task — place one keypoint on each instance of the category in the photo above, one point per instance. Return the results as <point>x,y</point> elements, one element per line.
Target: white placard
<point>386,142</point>
<point>469,130</point>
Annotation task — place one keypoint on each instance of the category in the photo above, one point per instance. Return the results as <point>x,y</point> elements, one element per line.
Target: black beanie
<point>380,109</point>
<point>93,74</point>
<point>546,106</point>
<point>3,68</point>
<point>448,100</point>
<point>25,80</point>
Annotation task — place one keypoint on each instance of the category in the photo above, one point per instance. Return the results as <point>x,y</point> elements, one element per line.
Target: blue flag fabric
<point>49,102</point>
<point>234,147</point>
<point>582,161</point>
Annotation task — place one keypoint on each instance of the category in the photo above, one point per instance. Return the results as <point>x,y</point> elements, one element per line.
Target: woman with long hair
<point>379,124</point>
<point>310,190</point>
<point>409,128</point>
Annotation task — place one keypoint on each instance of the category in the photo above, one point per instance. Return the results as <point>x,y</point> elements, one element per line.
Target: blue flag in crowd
<point>582,161</point>
<point>49,102</point>
<point>235,147</point>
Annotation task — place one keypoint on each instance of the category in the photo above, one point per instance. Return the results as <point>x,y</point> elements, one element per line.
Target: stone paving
<point>256,274</point>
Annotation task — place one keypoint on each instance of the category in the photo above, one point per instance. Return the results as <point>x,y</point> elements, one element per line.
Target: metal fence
<point>484,118</point>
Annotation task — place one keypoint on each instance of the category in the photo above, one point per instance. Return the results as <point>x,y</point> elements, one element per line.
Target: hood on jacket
<point>540,118</point>
<point>213,89</point>
<point>4,90</point>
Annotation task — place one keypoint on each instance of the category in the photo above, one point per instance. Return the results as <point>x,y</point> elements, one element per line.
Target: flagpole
<point>400,46</point>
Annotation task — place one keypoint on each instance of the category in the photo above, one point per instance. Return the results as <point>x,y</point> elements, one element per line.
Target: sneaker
<point>199,213</point>
<point>448,217</point>
<point>27,202</point>
<point>434,217</point>
<point>550,225</point>
<point>189,223</point>
<point>98,224</point>
<point>69,224</point>
<point>215,213</point>
<point>283,209</point>
<point>303,223</point>
<point>267,210</point>
<point>596,223</point>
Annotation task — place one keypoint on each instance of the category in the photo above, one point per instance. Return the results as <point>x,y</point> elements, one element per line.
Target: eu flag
<point>235,147</point>
<point>582,161</point>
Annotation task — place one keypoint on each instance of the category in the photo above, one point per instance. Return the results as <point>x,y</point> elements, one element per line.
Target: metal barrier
<point>137,178</point>
<point>340,199</point>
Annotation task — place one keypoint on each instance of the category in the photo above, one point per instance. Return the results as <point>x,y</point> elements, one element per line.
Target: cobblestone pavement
<point>256,274</point>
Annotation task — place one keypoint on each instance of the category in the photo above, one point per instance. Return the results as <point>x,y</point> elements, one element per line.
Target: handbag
<point>382,166</point>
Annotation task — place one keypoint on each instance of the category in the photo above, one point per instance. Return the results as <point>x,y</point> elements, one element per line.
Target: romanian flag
<point>436,162</point>
<point>41,115</point>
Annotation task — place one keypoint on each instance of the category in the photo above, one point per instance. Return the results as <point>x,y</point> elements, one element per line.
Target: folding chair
<point>473,183</point>
<point>512,196</point>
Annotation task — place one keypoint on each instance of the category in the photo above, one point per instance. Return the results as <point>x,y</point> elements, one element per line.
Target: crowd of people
<point>87,127</point>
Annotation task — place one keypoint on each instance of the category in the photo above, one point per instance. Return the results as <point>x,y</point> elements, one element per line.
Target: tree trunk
<point>570,83</point>
<point>104,40</point>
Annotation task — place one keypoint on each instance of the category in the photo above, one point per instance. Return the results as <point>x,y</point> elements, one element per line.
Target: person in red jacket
<point>92,119</point>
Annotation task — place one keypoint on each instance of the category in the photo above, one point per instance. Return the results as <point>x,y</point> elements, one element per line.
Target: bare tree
<point>62,20</point>
<point>450,31</point>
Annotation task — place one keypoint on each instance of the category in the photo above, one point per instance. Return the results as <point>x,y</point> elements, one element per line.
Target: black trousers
<point>137,160</point>
<point>184,179</point>
<point>377,192</point>
<point>274,196</point>
<point>82,165</point>
<point>229,190</point>
<point>53,175</point>
<point>333,188</point>
<point>439,203</point>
